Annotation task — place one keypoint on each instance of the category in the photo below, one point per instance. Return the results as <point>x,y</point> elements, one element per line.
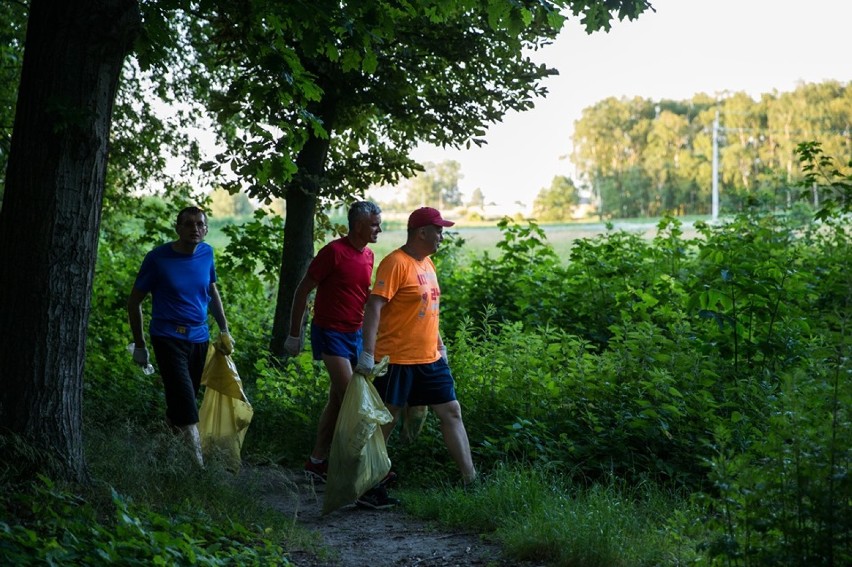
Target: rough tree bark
<point>50,219</point>
<point>301,200</point>
<point>298,251</point>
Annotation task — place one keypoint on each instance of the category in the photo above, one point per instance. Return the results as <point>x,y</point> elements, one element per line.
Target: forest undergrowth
<point>642,402</point>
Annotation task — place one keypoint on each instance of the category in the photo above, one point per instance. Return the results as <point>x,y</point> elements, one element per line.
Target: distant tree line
<point>642,157</point>
<point>438,185</point>
<point>639,157</point>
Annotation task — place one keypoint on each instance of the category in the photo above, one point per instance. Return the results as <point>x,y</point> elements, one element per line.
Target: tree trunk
<point>298,247</point>
<point>51,216</point>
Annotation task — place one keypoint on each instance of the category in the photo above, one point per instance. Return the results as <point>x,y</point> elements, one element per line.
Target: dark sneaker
<point>318,472</point>
<point>376,499</point>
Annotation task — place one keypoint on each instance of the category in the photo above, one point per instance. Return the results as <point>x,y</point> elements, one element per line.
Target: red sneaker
<point>389,480</point>
<point>317,472</point>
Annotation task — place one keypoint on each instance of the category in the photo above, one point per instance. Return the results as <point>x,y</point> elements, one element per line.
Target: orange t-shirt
<point>408,326</point>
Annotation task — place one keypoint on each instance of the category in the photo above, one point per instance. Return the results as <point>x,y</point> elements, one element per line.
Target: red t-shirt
<point>344,274</point>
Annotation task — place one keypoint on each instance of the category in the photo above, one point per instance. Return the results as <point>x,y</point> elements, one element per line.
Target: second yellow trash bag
<point>413,419</point>
<point>359,457</point>
<point>225,412</point>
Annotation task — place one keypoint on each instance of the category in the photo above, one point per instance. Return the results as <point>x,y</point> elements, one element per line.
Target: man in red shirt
<point>341,273</point>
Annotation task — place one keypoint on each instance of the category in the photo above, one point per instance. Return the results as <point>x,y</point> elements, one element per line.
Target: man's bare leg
<point>340,374</point>
<point>193,438</point>
<point>455,437</point>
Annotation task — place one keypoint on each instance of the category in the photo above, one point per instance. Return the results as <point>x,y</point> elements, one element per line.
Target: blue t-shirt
<point>180,290</point>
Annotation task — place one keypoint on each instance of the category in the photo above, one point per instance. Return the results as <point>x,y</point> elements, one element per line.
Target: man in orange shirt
<point>401,321</point>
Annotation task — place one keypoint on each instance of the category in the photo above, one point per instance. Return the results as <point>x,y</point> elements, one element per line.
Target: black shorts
<point>181,364</point>
<point>416,384</point>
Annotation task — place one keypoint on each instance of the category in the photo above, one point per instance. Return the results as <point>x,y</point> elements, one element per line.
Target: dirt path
<point>355,537</point>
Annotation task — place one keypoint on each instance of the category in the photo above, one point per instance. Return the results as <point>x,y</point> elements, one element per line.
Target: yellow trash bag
<point>359,457</point>
<point>413,419</point>
<point>225,412</point>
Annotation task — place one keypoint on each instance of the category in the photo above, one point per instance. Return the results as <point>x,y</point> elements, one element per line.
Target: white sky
<point>686,47</point>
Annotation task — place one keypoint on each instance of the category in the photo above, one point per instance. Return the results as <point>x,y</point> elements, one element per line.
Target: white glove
<point>293,345</point>
<point>443,351</point>
<point>366,362</point>
<point>140,356</point>
<point>226,343</point>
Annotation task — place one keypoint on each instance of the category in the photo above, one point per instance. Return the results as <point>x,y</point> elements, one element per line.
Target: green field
<point>480,238</point>
<point>561,237</point>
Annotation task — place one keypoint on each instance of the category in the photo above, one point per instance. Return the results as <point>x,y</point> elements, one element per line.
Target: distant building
<point>493,211</point>
<point>585,208</point>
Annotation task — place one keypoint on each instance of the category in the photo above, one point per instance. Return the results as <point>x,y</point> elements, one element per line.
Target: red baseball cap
<point>424,216</point>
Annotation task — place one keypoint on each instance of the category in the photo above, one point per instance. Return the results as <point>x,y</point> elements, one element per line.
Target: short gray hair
<point>362,209</point>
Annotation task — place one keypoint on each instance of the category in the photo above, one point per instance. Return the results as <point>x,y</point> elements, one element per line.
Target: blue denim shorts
<point>416,384</point>
<point>336,343</point>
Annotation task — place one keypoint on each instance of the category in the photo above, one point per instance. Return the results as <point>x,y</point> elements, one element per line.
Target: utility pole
<point>715,193</point>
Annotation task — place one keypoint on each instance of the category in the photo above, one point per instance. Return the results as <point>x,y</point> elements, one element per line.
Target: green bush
<point>58,527</point>
<point>717,363</point>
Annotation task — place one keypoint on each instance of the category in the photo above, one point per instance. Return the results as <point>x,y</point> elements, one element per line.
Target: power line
<point>714,208</point>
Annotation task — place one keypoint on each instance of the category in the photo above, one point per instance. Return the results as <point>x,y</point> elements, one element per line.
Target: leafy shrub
<point>509,286</point>
<point>57,527</point>
<point>287,399</point>
<point>784,501</point>
<point>699,361</point>
<point>641,409</point>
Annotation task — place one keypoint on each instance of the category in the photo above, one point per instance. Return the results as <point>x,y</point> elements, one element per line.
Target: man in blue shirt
<point>181,278</point>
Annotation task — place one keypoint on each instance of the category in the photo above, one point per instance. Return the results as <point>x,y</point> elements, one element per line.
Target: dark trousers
<point>181,364</point>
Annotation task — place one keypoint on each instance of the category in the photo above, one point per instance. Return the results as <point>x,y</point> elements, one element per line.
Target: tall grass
<point>155,468</point>
<point>536,516</point>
